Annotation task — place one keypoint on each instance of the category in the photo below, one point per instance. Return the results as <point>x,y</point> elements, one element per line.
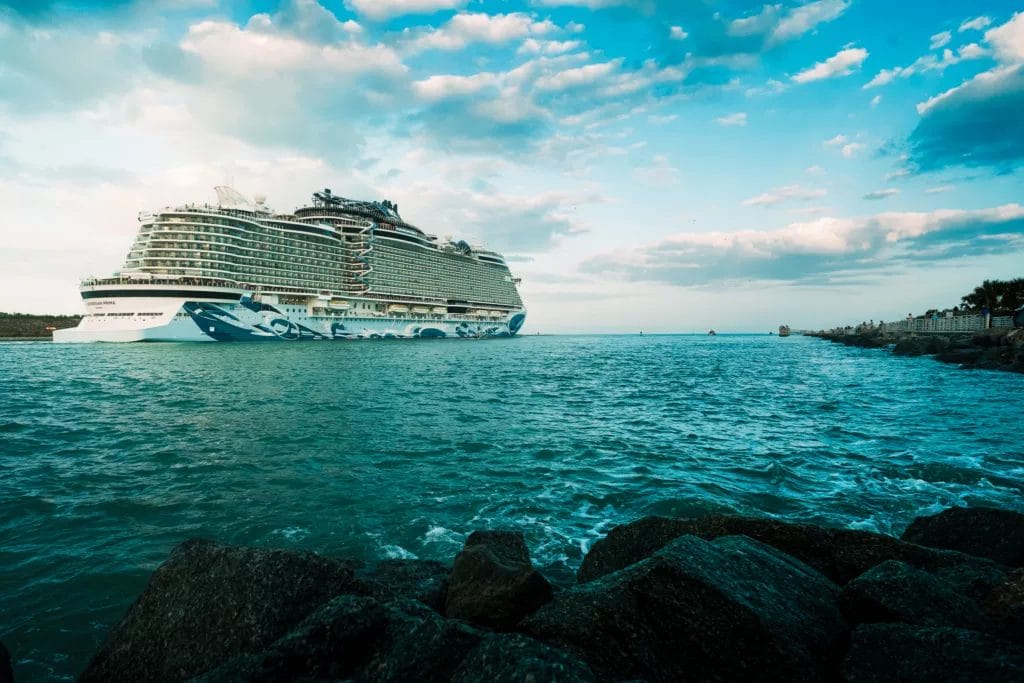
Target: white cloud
<point>257,51</point>
<point>850,149</point>
<point>782,194</point>
<point>876,100</point>
<point>677,33</point>
<point>578,76</point>
<point>940,189</point>
<point>940,40</point>
<point>976,24</point>
<point>1008,40</point>
<point>814,170</point>
<point>882,194</point>
<point>385,9</point>
<point>532,46</point>
<point>466,28</point>
<point>803,18</point>
<point>823,247</point>
<point>836,141</point>
<point>927,63</point>
<point>843,63</point>
<point>737,119</point>
<point>779,26</point>
<point>441,86</point>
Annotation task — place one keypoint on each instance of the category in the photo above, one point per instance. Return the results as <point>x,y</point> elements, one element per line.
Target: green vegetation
<point>1001,297</point>
<point>29,325</point>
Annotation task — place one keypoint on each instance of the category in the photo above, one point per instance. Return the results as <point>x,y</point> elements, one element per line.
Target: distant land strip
<point>26,326</point>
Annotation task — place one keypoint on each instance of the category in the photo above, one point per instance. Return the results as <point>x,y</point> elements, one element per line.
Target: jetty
<point>713,598</point>
<point>970,341</point>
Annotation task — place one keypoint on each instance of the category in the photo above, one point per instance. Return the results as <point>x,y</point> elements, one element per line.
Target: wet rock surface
<point>994,349</point>
<point>985,532</point>
<point>493,582</point>
<point>911,654</point>
<point>709,599</point>
<point>728,609</point>
<point>898,592</point>
<point>210,602</point>
<point>839,554</point>
<point>6,673</point>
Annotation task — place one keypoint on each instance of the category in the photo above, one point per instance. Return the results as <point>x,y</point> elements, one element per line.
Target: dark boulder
<point>513,657</point>
<point>493,582</point>
<point>912,654</point>
<point>209,603</point>
<point>1004,606</point>
<point>6,672</point>
<point>730,609</point>
<point>981,531</point>
<point>363,639</point>
<point>909,346</point>
<point>896,591</point>
<point>332,642</point>
<point>423,580</point>
<point>839,554</point>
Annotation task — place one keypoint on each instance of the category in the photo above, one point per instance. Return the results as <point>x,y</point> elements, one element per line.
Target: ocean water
<point>110,455</point>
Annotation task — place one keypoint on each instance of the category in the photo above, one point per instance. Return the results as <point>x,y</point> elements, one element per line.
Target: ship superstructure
<point>336,269</point>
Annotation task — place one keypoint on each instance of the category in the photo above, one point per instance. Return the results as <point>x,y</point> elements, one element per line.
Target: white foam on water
<point>397,552</point>
<point>293,534</point>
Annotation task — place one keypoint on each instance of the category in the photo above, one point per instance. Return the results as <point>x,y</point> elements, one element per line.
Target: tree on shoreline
<point>1001,297</point>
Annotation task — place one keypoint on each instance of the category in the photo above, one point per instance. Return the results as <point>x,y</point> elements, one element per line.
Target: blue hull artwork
<point>252,321</point>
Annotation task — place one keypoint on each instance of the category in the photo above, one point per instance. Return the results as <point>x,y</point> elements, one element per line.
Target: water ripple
<point>113,454</point>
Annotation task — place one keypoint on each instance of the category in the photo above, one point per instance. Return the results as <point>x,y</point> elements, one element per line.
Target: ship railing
<point>158,280</point>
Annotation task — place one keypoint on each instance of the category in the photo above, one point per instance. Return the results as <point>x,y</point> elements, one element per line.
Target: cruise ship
<point>336,269</point>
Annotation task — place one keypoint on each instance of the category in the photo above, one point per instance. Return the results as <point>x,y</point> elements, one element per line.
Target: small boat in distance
<point>783,330</point>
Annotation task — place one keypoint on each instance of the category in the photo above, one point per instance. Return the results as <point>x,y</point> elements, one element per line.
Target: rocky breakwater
<point>994,349</point>
<point>716,598</point>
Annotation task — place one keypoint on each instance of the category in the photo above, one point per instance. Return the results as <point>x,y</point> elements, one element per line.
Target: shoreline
<point>656,599</point>
<point>993,349</point>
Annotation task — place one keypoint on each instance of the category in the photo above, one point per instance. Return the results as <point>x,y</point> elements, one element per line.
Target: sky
<point>642,164</point>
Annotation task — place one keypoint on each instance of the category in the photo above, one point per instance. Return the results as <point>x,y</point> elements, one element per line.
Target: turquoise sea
<point>110,455</point>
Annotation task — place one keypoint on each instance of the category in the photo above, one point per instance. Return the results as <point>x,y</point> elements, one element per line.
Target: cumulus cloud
<point>976,24</point>
<point>882,194</point>
<point>532,46</point>
<point>928,63</point>
<point>378,10</point>
<point>465,28</point>
<point>737,119</point>
<point>843,63</point>
<point>940,40</point>
<point>978,122</point>
<point>677,33</point>
<point>787,193</point>
<point>779,26</point>
<point>819,249</point>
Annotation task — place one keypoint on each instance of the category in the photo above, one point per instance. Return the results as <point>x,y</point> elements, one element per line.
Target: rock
<point>209,603</point>
<point>423,580</point>
<point>909,654</point>
<point>909,346</point>
<point>896,591</point>
<point>514,657</point>
<point>493,582</point>
<point>981,531</point>
<point>1004,606</point>
<point>6,672</point>
<point>419,645</point>
<point>729,609</point>
<point>332,642</point>
<point>839,554</point>
<point>363,639</point>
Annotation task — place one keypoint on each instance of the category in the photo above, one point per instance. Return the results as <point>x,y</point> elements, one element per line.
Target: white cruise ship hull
<point>140,319</point>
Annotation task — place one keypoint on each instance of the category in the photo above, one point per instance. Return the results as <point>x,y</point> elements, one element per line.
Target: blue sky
<point>666,166</point>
